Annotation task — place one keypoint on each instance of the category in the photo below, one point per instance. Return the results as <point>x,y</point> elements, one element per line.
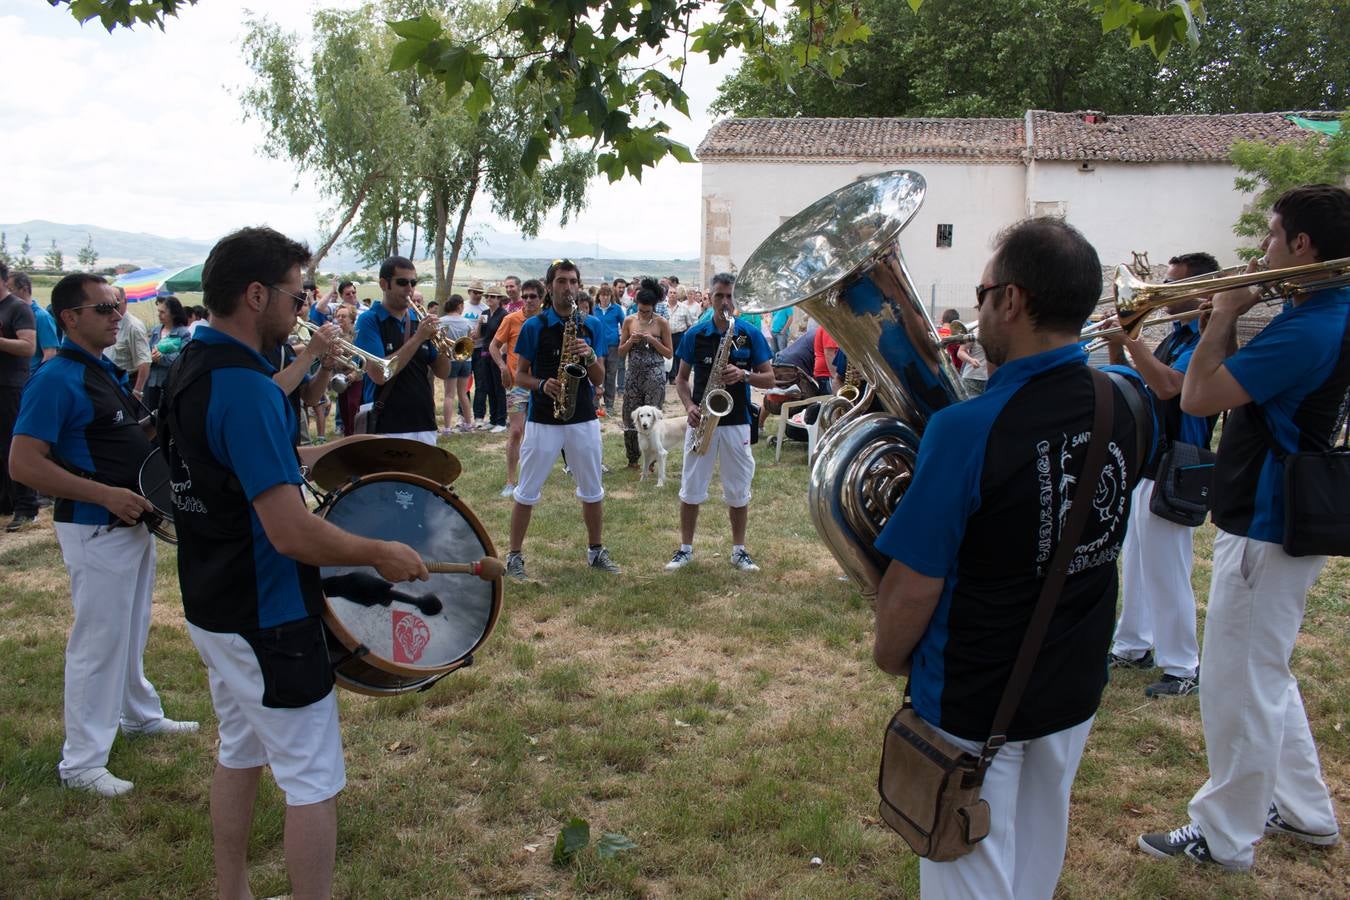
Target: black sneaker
<point>19,523</point>
<point>515,566</point>
<point>1174,686</point>
<point>1187,841</point>
<point>599,559</point>
<point>1275,824</point>
<point>681,559</point>
<point>1124,662</point>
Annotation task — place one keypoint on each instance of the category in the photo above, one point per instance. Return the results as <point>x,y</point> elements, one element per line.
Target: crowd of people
<point>968,543</point>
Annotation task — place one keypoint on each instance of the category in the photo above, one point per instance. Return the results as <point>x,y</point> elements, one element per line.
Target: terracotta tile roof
<point>865,138</point>
<point>1055,136</point>
<point>1182,138</point>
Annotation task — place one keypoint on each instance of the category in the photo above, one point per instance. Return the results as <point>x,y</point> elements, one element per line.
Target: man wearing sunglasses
<point>248,556</point>
<point>18,342</point>
<point>404,404</point>
<point>973,536</point>
<point>78,439</point>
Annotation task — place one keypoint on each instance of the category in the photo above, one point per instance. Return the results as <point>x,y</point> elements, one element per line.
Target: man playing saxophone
<point>556,361</point>
<point>745,356</point>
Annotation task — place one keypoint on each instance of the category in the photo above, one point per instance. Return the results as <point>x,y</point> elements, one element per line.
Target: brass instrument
<point>851,394</point>
<point>840,259</point>
<point>1136,299</point>
<point>440,340</point>
<point>462,349</point>
<point>352,354</point>
<point>717,401</point>
<point>570,372</point>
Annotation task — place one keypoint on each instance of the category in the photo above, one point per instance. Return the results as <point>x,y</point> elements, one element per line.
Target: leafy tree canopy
<point>598,70</point>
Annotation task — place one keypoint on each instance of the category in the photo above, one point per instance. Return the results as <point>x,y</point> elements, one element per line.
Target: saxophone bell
<point>716,403</point>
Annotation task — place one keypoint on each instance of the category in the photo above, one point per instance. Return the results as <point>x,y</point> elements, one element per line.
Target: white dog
<point>652,432</point>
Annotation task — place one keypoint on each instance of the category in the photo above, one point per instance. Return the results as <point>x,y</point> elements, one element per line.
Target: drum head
<point>826,241</point>
<point>154,486</point>
<point>418,628</point>
<point>351,458</point>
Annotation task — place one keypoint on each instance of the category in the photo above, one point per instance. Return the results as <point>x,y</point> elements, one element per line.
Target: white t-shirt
<point>471,312</point>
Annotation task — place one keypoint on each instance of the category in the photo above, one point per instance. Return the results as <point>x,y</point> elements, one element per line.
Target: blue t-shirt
<point>46,335</point>
<point>611,320</point>
<point>540,344</point>
<point>984,512</point>
<point>1296,371</point>
<point>780,319</point>
<point>371,333</point>
<point>749,350</point>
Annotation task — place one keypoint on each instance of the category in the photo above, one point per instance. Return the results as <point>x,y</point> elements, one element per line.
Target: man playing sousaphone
<point>78,439</point>
<point>248,554</point>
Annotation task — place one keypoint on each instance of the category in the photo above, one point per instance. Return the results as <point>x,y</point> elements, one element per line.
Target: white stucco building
<point>1160,184</point>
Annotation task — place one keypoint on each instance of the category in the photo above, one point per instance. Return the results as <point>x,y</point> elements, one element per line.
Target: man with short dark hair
<point>248,552</point>
<point>970,542</point>
<point>549,429</point>
<point>1157,604</point>
<point>404,404</point>
<point>511,284</point>
<point>1287,392</point>
<point>47,340</point>
<point>131,352</point>
<point>79,439</point>
<point>728,446</point>
<point>503,350</point>
<point>18,342</point>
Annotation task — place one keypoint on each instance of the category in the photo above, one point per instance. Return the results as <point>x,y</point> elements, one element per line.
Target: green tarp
<point>189,279</point>
<point>1326,126</point>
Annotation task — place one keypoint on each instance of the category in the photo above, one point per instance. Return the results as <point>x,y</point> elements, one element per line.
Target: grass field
<point>728,725</point>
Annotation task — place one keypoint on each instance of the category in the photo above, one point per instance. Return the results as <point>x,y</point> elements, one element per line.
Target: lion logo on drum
<point>411,636</point>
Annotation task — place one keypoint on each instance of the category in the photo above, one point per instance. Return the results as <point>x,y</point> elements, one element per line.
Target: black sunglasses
<point>529,296</point>
<point>982,289</point>
<point>300,299</point>
<point>406,282</point>
<point>103,309</point>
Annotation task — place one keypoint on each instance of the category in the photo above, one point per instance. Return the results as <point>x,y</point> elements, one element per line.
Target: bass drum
<point>390,639</point>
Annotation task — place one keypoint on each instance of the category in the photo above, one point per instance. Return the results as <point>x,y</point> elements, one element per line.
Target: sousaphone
<point>840,260</point>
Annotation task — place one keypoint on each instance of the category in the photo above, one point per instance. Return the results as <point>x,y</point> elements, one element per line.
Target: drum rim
<point>348,640</point>
<point>335,450</point>
<point>159,530</point>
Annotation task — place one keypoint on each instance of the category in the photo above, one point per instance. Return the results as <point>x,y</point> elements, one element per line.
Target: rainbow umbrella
<point>143,284</point>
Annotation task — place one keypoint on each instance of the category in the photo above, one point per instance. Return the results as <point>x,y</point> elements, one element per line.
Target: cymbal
<point>351,458</point>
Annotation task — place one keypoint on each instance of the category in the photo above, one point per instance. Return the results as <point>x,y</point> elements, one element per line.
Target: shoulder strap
<point>127,398</point>
<point>1134,402</point>
<point>1059,567</point>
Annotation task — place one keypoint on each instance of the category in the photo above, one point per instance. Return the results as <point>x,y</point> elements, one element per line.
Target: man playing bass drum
<point>79,439</point>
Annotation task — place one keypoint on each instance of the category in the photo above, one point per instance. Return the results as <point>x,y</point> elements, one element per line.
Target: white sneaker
<point>498,429</point>
<point>159,726</point>
<point>509,490</point>
<point>681,559</point>
<point>741,560</point>
<point>98,781</point>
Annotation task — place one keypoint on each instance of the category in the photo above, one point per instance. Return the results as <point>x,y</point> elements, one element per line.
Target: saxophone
<point>570,371</point>
<point>716,401</point>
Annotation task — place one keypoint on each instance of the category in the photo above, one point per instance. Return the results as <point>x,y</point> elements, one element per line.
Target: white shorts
<point>539,451</point>
<point>730,450</point>
<point>303,746</point>
<point>426,437</point>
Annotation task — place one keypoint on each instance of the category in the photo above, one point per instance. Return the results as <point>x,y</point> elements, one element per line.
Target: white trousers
<point>539,450</point>
<point>1256,732</point>
<point>1157,604</point>
<point>112,576</point>
<point>425,437</point>
<point>729,449</point>
<point>1027,788</point>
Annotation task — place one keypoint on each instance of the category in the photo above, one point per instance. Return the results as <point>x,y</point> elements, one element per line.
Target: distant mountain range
<point>116,247</point>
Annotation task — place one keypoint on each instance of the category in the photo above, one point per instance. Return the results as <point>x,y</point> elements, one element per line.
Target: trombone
<point>1137,299</point>
<point>355,355</point>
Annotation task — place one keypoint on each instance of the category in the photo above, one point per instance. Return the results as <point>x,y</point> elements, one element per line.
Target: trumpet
<point>1136,299</point>
<point>354,355</point>
<point>458,350</point>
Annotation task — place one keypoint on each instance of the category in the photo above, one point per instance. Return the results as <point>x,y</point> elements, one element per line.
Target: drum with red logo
<point>392,638</point>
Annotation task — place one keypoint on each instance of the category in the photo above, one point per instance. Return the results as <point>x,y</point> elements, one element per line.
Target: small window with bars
<point>944,236</point>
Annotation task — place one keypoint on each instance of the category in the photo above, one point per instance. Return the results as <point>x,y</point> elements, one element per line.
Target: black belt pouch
<point>294,663</point>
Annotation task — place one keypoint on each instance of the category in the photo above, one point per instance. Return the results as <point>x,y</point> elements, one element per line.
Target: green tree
<point>595,69</point>
<point>24,260</point>
<point>54,259</point>
<point>88,256</point>
<point>4,250</point>
<point>1271,169</point>
<point>392,151</point>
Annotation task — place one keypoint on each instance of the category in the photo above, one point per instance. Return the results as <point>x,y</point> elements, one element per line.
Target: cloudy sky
<point>143,131</point>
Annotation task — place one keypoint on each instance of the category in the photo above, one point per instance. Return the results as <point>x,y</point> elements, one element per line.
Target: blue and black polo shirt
<point>540,343</point>
<point>227,430</point>
<point>984,511</point>
<point>698,348</point>
<point>1296,371</point>
<point>408,403</point>
<point>80,406</point>
<point>1175,351</point>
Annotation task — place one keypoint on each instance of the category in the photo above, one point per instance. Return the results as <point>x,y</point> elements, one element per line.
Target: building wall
<point>1161,208</point>
<point>745,200</point>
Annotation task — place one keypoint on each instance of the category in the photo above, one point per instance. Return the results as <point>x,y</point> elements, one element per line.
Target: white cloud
<point>142,131</point>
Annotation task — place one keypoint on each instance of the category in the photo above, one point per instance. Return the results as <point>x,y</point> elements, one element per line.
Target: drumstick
<point>371,590</point>
<point>487,568</point>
